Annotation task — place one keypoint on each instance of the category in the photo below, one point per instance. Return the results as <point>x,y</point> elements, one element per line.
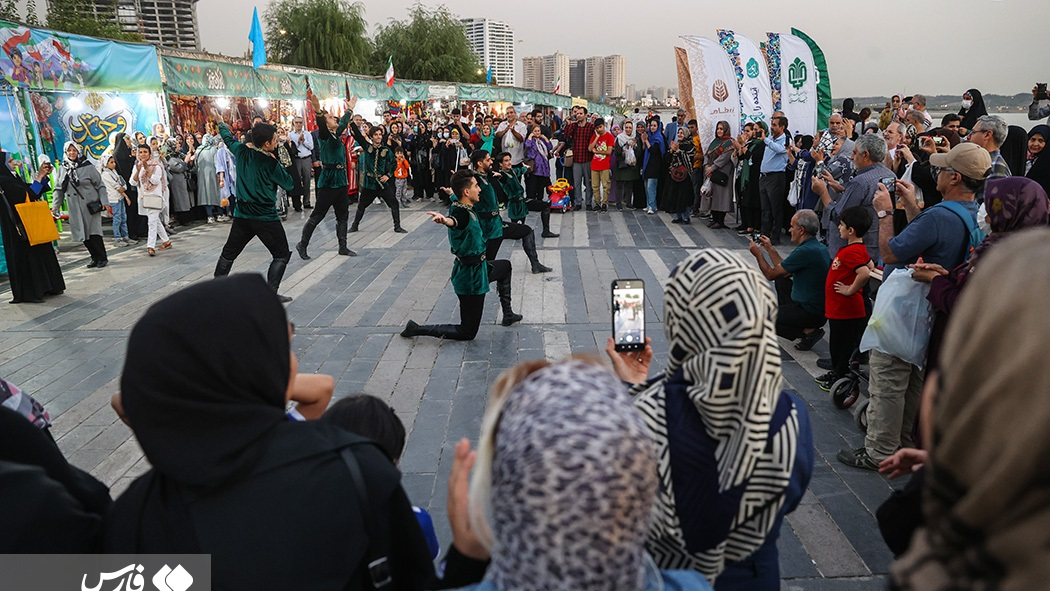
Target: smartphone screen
<point>628,314</point>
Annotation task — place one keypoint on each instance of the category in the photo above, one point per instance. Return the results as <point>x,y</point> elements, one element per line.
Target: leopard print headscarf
<point>573,478</point>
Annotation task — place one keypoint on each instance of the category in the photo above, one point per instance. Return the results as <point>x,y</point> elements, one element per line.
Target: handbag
<point>37,220</point>
<point>719,178</point>
<point>94,207</point>
<point>152,202</point>
<point>567,160</point>
<point>679,173</point>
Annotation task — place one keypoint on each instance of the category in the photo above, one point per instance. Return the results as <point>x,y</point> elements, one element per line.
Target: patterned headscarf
<point>720,315</point>
<point>1013,203</point>
<point>572,479</point>
<point>987,499</point>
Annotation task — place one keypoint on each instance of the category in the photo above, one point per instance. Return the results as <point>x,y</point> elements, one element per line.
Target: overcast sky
<point>927,46</point>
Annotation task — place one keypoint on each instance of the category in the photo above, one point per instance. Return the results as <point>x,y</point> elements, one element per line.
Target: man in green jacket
<point>375,171</point>
<point>258,175</point>
<point>471,273</point>
<point>331,181</point>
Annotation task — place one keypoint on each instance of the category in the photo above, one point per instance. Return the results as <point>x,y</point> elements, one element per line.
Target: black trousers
<point>510,232</point>
<point>367,196</point>
<point>792,318</point>
<point>471,307</point>
<point>271,234</point>
<point>843,341</point>
<point>772,194</point>
<point>422,185</point>
<point>96,247</point>
<point>335,198</point>
<point>535,186</point>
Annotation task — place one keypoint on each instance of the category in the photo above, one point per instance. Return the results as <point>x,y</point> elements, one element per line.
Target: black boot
<point>360,213</point>
<point>308,232</point>
<point>222,268</point>
<point>545,217</point>
<point>340,235</point>
<point>528,243</point>
<point>275,274</point>
<point>410,329</point>
<point>395,212</point>
<point>503,289</point>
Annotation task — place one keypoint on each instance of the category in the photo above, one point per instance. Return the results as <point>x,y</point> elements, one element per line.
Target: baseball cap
<point>969,160</point>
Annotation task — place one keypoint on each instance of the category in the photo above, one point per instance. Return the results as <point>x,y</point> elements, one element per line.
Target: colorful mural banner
<point>756,103</point>
<point>715,93</point>
<point>793,76</point>
<point>90,118</point>
<point>277,84</point>
<point>39,59</point>
<point>207,78</point>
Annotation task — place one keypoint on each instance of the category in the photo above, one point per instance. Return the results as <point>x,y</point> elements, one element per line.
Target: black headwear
<point>125,159</point>
<point>1040,171</point>
<point>975,112</point>
<point>1015,149</point>
<point>203,392</point>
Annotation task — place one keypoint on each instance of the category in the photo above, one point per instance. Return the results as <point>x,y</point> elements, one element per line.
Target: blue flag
<point>488,77</point>
<point>258,43</point>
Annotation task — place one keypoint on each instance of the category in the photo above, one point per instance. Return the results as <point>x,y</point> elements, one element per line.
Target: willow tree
<point>323,34</point>
<point>429,45</point>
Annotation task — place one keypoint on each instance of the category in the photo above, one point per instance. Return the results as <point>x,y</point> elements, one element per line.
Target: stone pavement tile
<point>794,561</point>
<point>826,545</point>
<point>442,384</point>
<point>844,584</point>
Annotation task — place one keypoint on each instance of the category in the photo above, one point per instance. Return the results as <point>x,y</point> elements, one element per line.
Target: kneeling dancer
<point>471,273</point>
<point>255,214</point>
<point>496,230</point>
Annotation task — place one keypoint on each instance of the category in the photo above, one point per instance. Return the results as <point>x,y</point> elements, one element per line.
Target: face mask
<point>967,104</point>
<point>445,135</point>
<point>982,220</point>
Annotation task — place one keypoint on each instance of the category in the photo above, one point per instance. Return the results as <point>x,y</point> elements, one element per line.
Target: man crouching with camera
<point>799,280</point>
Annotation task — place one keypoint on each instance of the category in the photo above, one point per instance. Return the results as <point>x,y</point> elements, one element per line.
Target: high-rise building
<point>546,72</point>
<point>614,82</point>
<point>170,23</point>
<point>631,94</point>
<point>594,83</point>
<point>577,77</point>
<point>493,43</point>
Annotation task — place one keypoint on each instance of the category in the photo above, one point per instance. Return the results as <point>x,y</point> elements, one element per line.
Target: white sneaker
<point>222,218</point>
<point>650,211</point>
<point>211,220</point>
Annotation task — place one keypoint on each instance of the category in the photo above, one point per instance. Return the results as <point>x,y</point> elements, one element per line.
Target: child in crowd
<point>370,417</point>
<point>116,192</point>
<point>844,303</point>
<point>150,179</point>
<point>401,176</point>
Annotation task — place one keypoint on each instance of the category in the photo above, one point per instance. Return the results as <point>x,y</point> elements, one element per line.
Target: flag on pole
<point>557,87</point>
<point>488,77</point>
<point>258,43</point>
<point>390,72</point>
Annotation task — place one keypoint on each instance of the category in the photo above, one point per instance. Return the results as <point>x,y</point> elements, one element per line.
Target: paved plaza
<point>69,351</point>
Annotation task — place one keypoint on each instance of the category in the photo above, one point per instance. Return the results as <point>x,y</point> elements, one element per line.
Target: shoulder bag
<point>37,221</point>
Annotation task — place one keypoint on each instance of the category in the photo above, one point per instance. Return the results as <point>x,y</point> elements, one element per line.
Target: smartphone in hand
<point>628,314</point>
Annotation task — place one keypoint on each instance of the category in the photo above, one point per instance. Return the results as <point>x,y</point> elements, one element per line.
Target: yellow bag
<point>38,221</point>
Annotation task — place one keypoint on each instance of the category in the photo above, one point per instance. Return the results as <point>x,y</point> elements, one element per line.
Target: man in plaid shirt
<point>578,136</point>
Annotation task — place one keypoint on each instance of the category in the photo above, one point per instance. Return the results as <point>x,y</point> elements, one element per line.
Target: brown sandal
<point>151,252</point>
<point>166,245</point>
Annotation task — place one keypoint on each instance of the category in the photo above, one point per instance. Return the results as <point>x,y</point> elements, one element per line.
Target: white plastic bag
<point>705,189</point>
<point>793,194</point>
<point>901,320</point>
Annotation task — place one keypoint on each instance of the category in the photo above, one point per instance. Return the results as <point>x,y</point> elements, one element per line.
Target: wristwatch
<point>884,213</point>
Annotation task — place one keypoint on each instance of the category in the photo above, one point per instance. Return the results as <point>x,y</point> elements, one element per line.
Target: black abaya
<point>125,165</point>
<point>33,271</point>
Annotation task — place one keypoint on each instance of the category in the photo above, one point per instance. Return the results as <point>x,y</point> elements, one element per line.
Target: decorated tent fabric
<point>206,78</point>
<point>278,84</point>
<point>47,60</point>
<point>327,86</point>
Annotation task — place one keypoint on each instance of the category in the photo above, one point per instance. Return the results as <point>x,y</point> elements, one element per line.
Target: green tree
<point>8,11</point>
<point>31,17</point>
<point>75,16</point>
<point>429,45</point>
<point>323,34</point>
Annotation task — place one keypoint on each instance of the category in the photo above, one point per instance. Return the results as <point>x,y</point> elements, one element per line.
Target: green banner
<point>411,91</point>
<point>824,104</point>
<point>327,86</point>
<point>278,84</point>
<point>206,78</point>
<point>373,89</point>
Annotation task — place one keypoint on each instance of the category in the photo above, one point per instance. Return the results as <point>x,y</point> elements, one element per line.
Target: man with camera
<point>1039,109</point>
<point>937,240</point>
<point>989,133</point>
<point>869,155</point>
<point>799,279</point>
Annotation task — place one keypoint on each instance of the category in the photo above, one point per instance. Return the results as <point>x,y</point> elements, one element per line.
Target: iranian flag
<point>390,72</point>
<point>557,87</point>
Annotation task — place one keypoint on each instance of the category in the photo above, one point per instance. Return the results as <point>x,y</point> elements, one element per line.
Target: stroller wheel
<point>844,392</point>
<point>861,416</point>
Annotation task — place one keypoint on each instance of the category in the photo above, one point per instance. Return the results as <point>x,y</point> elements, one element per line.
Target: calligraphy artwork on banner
<point>89,119</point>
<point>47,60</point>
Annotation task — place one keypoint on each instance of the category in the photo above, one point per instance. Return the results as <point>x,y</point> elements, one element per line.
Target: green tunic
<point>467,240</point>
<point>510,182</point>
<point>488,209</point>
<point>258,175</point>
<point>332,153</point>
<point>374,163</point>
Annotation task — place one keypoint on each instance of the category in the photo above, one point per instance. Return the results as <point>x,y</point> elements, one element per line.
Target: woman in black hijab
<point>971,110</point>
<point>1015,149</point>
<point>32,270</point>
<point>50,506</point>
<point>125,158</point>
<point>271,500</point>
<point>1037,163</point>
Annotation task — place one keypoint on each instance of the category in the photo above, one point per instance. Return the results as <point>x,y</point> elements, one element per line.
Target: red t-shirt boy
<point>844,304</point>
